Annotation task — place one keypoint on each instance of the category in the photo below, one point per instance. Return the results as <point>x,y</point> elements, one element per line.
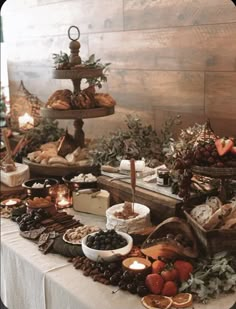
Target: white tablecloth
<point>31,280</point>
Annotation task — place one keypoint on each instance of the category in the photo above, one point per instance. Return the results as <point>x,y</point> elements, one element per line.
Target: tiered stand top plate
<point>78,73</point>
<point>77,113</point>
<point>215,172</point>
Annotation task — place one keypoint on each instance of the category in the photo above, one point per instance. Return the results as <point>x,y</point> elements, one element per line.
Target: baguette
<point>230,224</point>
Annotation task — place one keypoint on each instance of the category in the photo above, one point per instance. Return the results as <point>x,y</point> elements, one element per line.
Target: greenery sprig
<point>137,141</point>
<point>95,64</point>
<point>212,276</point>
<point>46,131</point>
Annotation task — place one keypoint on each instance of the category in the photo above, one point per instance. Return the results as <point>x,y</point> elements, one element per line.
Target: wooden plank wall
<point>168,56</point>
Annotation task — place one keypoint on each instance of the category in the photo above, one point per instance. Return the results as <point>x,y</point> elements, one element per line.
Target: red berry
<point>169,274</point>
<point>154,283</point>
<point>184,269</point>
<point>169,289</point>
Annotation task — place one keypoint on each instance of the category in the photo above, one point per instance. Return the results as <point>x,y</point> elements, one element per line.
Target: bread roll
<point>32,155</point>
<point>57,160</point>
<point>49,146</point>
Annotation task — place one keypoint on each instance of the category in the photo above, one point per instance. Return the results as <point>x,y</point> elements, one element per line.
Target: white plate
<point>78,241</point>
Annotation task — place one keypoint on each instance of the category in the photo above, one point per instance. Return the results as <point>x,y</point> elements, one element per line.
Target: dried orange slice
<point>156,301</point>
<point>182,300</point>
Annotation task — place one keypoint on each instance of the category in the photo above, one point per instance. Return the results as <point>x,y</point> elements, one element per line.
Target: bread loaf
<point>202,213</point>
<point>104,100</point>
<point>215,215</point>
<point>59,104</point>
<point>60,99</point>
<point>218,217</point>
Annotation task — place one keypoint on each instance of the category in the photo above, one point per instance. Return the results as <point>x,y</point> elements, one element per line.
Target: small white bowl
<point>107,255</point>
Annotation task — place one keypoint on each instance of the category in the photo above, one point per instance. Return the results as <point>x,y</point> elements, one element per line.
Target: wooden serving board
<point>47,170</point>
<point>77,113</point>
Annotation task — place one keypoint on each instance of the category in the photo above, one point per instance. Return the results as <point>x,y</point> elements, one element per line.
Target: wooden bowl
<point>157,244</point>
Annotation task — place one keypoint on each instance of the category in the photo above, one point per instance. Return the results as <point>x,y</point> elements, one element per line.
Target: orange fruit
<point>156,301</point>
<point>182,300</point>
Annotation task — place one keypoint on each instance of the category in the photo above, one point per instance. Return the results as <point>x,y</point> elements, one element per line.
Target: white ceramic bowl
<point>107,255</point>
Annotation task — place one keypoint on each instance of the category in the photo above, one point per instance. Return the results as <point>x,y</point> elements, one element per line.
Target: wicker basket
<point>215,172</point>
<point>215,240</point>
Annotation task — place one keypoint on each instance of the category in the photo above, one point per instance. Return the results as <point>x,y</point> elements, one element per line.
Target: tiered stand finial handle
<point>74,47</point>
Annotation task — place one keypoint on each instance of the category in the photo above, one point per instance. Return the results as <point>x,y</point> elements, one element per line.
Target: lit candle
<point>26,122</point>
<point>63,203</point>
<point>136,265</point>
<point>10,203</point>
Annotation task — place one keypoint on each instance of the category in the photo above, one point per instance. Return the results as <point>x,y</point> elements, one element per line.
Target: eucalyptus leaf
<point>137,141</point>
<point>211,277</point>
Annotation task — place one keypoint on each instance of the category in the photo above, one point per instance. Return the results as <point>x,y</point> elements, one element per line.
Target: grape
<point>132,288</point>
<point>142,290</point>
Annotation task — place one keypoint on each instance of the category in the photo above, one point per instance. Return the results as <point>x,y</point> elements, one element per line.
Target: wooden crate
<point>215,240</point>
<point>161,206</point>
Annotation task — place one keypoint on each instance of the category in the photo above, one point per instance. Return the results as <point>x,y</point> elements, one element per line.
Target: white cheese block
<point>91,202</point>
<point>17,177</point>
<point>125,165</point>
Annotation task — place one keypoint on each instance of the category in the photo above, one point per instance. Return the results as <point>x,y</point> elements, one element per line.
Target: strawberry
<point>169,289</point>
<point>223,145</point>
<point>154,283</point>
<point>169,274</point>
<point>158,266</point>
<point>184,269</point>
<point>233,150</point>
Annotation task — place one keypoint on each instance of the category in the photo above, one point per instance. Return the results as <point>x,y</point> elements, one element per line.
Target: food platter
<point>47,170</point>
<point>77,113</point>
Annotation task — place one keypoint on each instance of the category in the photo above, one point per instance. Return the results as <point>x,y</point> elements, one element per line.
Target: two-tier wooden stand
<point>76,75</point>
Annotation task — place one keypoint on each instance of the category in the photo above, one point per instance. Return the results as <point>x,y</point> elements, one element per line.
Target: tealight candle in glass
<point>137,265</point>
<point>63,199</point>
<point>11,202</point>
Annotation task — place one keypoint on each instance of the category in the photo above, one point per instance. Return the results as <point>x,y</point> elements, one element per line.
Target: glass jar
<point>163,177</point>
<point>61,195</point>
